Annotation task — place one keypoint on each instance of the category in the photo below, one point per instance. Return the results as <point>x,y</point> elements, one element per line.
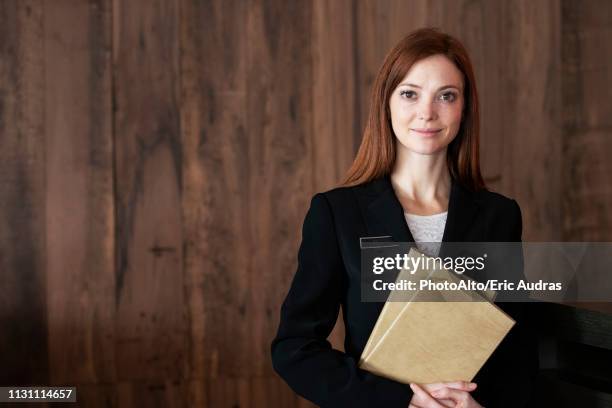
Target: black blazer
<point>328,277</point>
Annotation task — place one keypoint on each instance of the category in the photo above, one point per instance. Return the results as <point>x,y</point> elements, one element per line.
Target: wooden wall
<point>157,158</point>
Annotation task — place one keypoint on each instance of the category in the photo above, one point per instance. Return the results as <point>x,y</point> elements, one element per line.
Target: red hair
<point>376,155</point>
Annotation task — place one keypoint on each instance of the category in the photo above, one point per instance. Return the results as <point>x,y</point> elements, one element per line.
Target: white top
<point>427,231</point>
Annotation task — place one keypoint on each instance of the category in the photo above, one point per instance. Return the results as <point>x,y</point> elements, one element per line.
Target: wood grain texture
<point>79,192</point>
<point>96,395</point>
<point>241,189</point>
<point>151,325</point>
<point>279,112</point>
<point>334,111</point>
<point>531,150</point>
<point>155,394</point>
<point>586,121</point>
<point>217,199</point>
<point>23,319</point>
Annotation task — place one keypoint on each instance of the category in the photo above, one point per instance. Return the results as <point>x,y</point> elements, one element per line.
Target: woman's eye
<point>448,97</point>
<point>408,94</point>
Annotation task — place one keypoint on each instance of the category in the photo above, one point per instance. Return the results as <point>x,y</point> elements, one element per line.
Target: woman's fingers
<point>461,398</point>
<point>426,393</point>
<point>426,400</point>
<point>458,385</point>
<point>447,403</point>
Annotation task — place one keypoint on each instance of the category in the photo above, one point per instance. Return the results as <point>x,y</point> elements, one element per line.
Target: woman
<point>416,177</point>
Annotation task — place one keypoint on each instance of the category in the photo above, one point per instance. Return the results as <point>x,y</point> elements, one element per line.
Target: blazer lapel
<point>462,210</point>
<point>384,215</point>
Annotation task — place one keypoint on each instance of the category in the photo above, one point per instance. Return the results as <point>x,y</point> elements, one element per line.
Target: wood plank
<point>216,197</point>
<point>334,114</point>
<point>228,392</point>
<point>22,188</point>
<point>273,392</point>
<point>531,93</point>
<point>151,325</point>
<point>154,394</point>
<point>171,394</point>
<point>96,395</point>
<point>79,197</point>
<point>280,121</point>
<point>243,227</point>
<point>254,392</point>
<point>587,123</point>
<point>221,392</point>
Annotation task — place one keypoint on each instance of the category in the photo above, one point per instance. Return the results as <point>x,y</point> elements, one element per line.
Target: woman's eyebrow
<point>439,89</point>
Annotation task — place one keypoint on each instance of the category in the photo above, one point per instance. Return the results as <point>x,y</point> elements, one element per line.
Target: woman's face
<point>426,106</point>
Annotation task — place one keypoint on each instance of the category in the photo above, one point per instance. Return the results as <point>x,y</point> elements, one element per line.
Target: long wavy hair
<point>376,155</point>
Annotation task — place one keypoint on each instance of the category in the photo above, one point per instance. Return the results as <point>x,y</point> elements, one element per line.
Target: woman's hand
<point>461,398</point>
<point>443,395</point>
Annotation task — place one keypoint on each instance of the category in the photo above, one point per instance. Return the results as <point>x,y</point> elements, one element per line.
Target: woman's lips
<point>426,132</point>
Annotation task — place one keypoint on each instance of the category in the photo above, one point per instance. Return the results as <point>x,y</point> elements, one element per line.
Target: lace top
<point>427,231</point>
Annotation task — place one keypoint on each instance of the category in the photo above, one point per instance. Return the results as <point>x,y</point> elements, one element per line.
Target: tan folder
<point>449,339</point>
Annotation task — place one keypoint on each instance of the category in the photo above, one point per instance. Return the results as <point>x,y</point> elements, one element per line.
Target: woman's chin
<point>426,149</point>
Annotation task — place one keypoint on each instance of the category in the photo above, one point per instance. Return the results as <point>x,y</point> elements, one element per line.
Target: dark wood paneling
<point>151,324</point>
<point>586,120</point>
<point>79,191</point>
<point>531,132</point>
<point>23,317</point>
<point>94,395</point>
<point>217,197</point>
<point>279,118</point>
<point>334,115</point>
<point>157,394</point>
<point>251,162</point>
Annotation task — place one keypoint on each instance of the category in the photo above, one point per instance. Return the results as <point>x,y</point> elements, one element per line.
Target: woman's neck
<point>421,182</point>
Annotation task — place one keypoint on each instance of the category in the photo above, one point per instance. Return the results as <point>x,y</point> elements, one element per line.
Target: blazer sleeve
<point>525,361</point>
<point>519,350</point>
<point>300,352</point>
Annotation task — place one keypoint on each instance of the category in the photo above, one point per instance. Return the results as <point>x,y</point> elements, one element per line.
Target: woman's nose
<point>426,110</point>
